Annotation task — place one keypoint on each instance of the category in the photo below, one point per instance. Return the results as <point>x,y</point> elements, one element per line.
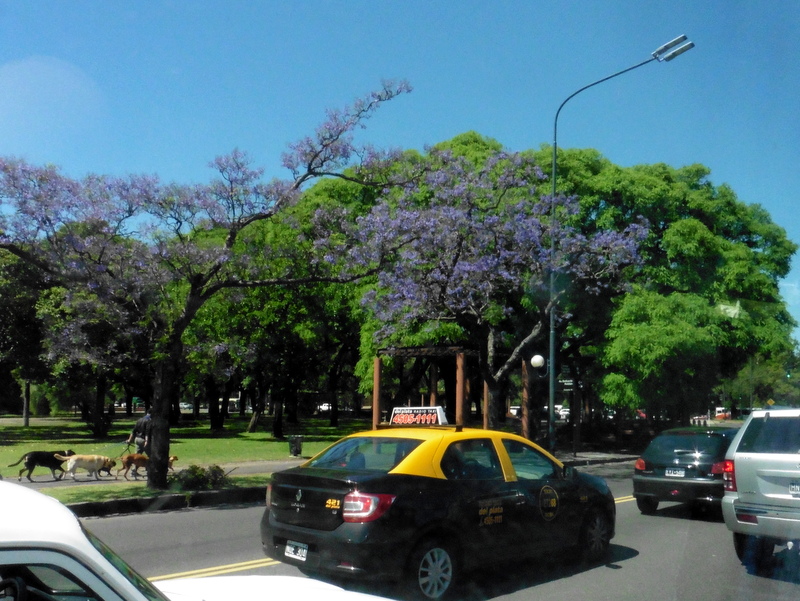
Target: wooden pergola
<point>436,352</point>
<point>433,352</point>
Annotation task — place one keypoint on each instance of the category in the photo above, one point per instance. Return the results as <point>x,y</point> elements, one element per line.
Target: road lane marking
<point>218,570</point>
<point>263,563</point>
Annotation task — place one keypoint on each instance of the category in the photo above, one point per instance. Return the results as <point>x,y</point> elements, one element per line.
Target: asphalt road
<point>671,555</point>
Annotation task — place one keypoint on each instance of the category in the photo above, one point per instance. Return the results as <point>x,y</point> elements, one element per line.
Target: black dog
<point>45,459</point>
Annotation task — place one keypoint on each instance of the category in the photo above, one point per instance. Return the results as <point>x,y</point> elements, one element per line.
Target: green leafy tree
<point>21,331</point>
<point>705,298</point>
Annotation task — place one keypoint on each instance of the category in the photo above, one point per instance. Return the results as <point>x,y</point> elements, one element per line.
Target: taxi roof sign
<point>418,416</point>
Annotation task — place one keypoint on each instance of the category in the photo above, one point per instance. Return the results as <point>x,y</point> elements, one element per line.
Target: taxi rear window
<point>375,454</point>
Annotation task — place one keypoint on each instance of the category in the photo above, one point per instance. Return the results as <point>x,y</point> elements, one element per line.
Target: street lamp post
<point>663,54</point>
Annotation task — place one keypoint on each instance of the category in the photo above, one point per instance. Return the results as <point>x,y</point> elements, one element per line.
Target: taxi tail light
<point>727,469</point>
<point>361,507</point>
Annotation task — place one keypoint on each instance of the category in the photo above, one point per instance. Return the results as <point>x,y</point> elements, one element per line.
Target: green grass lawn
<point>192,441</point>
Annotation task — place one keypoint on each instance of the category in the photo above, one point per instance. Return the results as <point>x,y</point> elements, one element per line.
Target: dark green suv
<point>683,465</point>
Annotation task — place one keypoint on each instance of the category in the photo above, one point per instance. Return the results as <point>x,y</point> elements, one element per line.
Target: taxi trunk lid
<point>311,498</point>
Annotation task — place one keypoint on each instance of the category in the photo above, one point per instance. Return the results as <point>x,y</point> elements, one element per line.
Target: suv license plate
<point>794,488</point>
<point>296,550</point>
<point>675,472</point>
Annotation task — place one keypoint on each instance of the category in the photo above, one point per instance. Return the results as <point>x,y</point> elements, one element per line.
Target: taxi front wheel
<point>595,536</point>
<point>432,570</point>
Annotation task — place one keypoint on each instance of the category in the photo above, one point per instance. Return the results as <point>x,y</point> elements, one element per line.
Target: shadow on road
<point>685,511</point>
<point>505,580</point>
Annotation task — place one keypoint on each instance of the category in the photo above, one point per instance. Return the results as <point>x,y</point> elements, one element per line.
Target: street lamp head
<point>671,44</point>
<point>678,52</point>
<point>661,54</point>
<point>537,361</point>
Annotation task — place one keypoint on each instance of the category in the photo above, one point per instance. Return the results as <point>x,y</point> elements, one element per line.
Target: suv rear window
<point>771,434</point>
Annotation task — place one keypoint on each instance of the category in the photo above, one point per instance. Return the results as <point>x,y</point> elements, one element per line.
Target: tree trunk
<point>166,389</point>
<point>277,421</point>
<point>253,426</point>
<point>491,383</point>
<point>99,420</point>
<point>26,405</point>
<point>216,418</point>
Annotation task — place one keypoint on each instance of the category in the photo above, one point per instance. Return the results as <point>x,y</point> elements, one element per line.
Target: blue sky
<point>165,86</point>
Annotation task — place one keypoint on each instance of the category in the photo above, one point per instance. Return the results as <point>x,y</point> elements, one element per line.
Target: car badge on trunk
<point>299,495</point>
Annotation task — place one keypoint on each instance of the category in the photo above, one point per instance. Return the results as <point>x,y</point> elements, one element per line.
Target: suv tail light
<point>726,468</point>
<point>360,507</point>
<point>269,496</point>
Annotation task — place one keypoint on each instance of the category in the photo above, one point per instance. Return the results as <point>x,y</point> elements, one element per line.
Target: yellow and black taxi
<point>424,506</point>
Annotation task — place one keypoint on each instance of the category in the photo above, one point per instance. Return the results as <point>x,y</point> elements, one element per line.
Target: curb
<point>584,462</point>
<point>170,502</point>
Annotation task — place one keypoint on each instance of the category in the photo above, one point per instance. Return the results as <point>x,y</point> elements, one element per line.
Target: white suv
<point>761,505</point>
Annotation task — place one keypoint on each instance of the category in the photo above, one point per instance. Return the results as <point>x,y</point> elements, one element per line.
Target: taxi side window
<point>474,459</point>
<point>528,462</point>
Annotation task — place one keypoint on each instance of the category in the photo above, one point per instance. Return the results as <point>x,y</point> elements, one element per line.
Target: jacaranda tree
<point>143,247</point>
<point>473,248</point>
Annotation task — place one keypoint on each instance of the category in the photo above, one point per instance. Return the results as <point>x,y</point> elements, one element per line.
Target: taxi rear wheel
<point>432,570</point>
<point>595,536</point>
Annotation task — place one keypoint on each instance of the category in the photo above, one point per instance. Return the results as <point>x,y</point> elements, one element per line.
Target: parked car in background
<point>425,506</point>
<point>682,465</point>
<point>46,554</point>
<point>563,413</point>
<point>761,505</point>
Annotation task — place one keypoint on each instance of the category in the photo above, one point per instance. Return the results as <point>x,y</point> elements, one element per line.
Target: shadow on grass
<point>58,435</point>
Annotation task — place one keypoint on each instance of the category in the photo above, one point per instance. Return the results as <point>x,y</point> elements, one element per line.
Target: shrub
<point>196,477</point>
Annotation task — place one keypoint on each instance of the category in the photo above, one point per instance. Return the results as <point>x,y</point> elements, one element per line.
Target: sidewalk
<point>583,458</point>
<point>257,494</point>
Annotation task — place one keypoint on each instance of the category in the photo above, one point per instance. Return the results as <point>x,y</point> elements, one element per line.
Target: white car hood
<point>256,588</point>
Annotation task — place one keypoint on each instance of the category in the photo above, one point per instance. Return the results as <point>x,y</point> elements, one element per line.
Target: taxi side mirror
<point>570,473</point>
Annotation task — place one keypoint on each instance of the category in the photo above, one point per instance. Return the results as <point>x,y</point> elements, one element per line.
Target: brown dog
<point>135,461</point>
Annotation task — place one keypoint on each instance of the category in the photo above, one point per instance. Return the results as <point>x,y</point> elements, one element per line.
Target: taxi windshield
<point>367,453</point>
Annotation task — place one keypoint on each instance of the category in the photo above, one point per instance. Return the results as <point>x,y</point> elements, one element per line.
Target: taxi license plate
<point>794,488</point>
<point>674,472</point>
<point>296,550</point>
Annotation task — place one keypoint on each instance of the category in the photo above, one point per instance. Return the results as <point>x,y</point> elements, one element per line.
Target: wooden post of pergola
<point>376,392</point>
<point>485,405</point>
<point>432,352</point>
<point>434,392</point>
<point>461,387</point>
